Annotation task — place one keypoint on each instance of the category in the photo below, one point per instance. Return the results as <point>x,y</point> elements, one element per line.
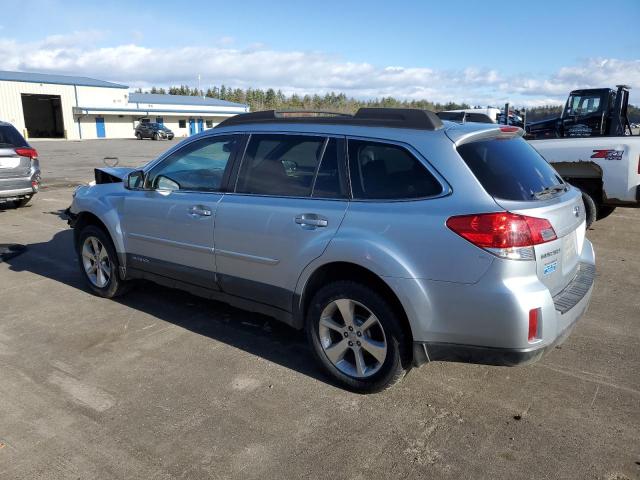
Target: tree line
<point>271,99</point>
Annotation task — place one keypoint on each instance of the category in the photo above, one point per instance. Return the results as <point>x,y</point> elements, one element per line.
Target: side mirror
<point>135,180</point>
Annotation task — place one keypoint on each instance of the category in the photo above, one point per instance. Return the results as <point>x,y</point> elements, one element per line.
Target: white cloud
<point>304,71</point>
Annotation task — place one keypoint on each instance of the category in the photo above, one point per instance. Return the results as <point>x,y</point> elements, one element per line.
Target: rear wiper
<point>549,191</point>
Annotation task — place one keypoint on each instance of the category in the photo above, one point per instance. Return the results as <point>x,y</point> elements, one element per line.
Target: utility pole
<point>506,113</point>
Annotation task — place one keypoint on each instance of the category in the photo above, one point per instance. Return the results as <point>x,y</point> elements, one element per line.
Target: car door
<point>168,225</point>
<point>289,200</point>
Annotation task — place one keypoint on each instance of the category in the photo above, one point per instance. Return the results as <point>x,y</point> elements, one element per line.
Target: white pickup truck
<point>593,147</point>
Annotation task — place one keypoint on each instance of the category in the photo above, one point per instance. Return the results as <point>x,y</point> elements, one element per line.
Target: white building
<point>58,106</point>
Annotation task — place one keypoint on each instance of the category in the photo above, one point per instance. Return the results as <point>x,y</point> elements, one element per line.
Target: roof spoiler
<point>501,132</point>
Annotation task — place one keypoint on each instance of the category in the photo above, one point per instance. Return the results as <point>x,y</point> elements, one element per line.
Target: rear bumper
<point>570,305</point>
<point>20,187</point>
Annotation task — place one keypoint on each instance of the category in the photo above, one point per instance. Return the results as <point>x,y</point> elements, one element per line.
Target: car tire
<point>373,322</point>
<point>590,208</point>
<point>98,263</point>
<point>155,136</point>
<point>604,211</point>
<point>23,202</point>
<point>138,135</point>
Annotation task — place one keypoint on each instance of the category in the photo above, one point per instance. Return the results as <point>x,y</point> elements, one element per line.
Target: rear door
<point>290,198</point>
<point>168,225</point>
<point>521,181</point>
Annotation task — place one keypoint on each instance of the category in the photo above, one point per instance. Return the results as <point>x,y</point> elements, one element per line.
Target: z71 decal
<point>608,154</point>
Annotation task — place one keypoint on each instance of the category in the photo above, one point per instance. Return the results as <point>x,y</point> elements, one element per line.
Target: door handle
<point>311,220</point>
<point>199,211</point>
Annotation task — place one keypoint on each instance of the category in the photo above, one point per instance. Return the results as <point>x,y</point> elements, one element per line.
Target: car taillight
<point>27,152</point>
<point>504,234</point>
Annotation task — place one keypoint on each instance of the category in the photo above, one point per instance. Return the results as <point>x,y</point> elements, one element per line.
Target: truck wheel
<point>356,336</point>
<point>590,208</point>
<point>604,211</point>
<point>138,135</point>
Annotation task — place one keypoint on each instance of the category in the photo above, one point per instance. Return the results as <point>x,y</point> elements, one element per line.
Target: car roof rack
<point>412,118</point>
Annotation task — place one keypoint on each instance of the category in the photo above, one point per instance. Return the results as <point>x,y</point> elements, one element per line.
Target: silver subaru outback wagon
<point>391,237</point>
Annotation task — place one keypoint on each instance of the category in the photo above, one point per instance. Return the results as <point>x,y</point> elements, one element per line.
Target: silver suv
<point>392,237</point>
<point>19,167</point>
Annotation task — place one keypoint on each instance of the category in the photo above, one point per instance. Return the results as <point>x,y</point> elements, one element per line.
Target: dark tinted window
<point>198,166</point>
<point>509,169</point>
<point>328,182</point>
<point>386,171</point>
<point>182,124</point>
<point>282,165</point>
<point>9,136</point>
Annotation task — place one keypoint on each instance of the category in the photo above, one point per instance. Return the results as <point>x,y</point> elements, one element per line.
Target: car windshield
<point>582,104</point>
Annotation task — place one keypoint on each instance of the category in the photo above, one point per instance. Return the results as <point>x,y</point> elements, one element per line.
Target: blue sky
<point>476,51</point>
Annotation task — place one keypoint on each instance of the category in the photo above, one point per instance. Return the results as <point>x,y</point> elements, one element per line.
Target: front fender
<point>104,201</point>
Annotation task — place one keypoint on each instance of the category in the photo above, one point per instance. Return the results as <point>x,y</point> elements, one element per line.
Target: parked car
<point>19,167</point>
<point>392,237</point>
<point>155,131</point>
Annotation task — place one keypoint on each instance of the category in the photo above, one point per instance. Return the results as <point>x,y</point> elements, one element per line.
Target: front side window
<point>198,166</point>
<point>282,165</point>
<point>382,171</point>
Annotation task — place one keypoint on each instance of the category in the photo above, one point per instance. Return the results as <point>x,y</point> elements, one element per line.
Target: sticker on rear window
<point>549,268</point>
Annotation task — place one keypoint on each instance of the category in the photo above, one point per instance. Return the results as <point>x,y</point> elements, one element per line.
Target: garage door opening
<point>43,115</point>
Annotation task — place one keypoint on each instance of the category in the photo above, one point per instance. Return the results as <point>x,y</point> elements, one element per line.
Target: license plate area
<point>9,162</point>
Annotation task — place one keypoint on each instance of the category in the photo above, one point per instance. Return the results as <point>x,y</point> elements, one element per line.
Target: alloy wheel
<point>352,338</point>
<point>96,262</point>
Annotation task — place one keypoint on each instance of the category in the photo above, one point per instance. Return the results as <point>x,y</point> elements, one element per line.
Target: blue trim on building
<point>133,111</point>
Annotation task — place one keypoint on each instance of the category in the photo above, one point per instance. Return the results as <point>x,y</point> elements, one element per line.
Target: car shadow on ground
<point>248,331</point>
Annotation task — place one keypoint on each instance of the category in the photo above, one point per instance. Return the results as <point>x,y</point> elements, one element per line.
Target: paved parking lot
<point>161,384</point>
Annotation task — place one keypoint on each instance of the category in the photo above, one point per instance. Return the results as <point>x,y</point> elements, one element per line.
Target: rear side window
<point>10,137</point>
<point>282,165</point>
<point>509,169</point>
<point>382,171</point>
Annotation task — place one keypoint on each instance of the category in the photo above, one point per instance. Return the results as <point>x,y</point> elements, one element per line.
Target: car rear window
<point>9,136</point>
<point>509,169</point>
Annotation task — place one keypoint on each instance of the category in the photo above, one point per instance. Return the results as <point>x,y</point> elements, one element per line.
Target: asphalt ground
<point>161,384</point>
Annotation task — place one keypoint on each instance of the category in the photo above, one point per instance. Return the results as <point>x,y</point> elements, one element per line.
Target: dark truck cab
<point>593,112</point>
